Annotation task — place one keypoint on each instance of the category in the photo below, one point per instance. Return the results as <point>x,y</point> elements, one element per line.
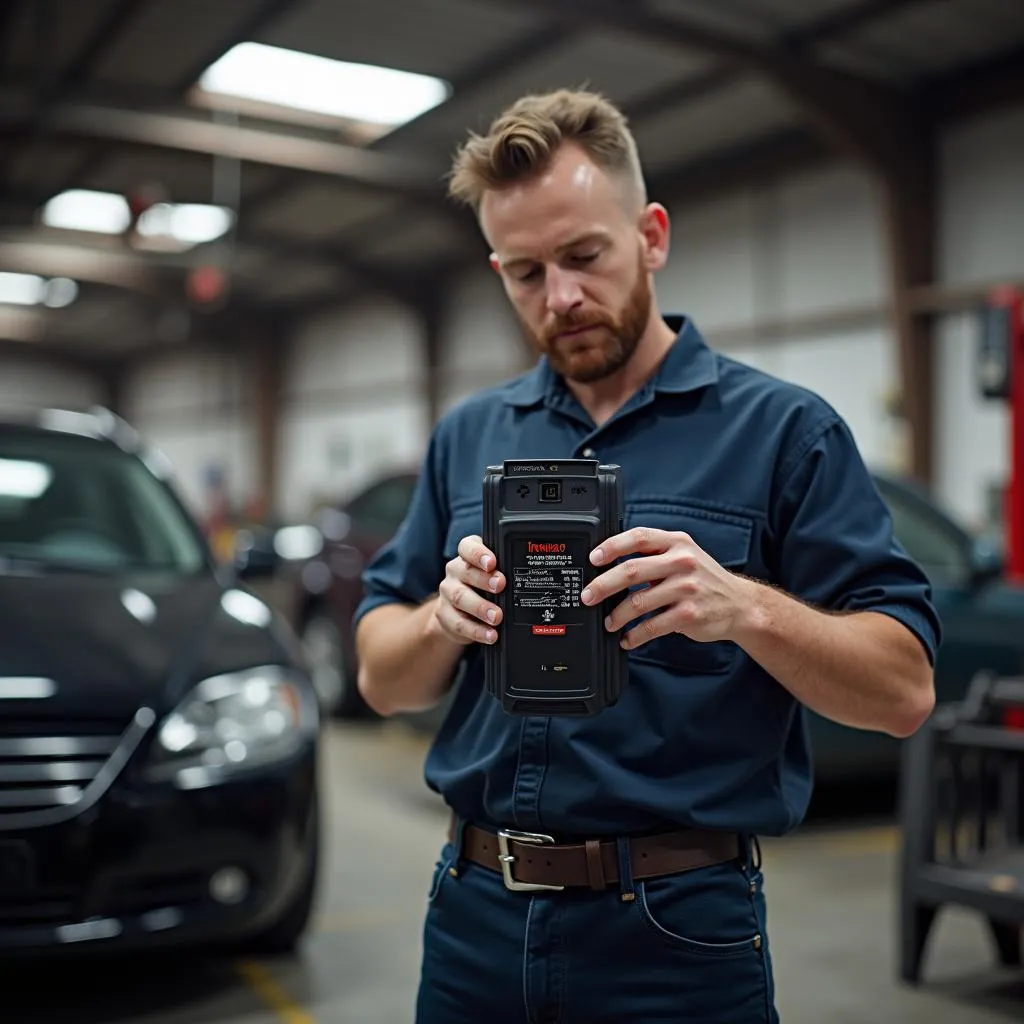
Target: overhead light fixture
<point>371,99</point>
<point>80,209</point>
<point>21,289</point>
<point>187,224</point>
<point>163,225</point>
<point>32,290</point>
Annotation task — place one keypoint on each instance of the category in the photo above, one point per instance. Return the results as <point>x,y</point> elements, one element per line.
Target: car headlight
<point>230,723</point>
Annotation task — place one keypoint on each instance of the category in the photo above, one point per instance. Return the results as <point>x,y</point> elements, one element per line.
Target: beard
<point>606,347</point>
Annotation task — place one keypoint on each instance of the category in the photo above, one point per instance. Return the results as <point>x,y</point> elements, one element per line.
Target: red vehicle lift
<point>1002,377</point>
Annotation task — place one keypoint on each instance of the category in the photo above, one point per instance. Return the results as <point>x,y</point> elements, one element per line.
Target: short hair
<point>522,141</point>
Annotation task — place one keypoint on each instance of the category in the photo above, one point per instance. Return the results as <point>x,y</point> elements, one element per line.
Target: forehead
<point>571,198</point>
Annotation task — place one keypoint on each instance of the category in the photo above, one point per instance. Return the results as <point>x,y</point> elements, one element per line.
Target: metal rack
<point>962,820</point>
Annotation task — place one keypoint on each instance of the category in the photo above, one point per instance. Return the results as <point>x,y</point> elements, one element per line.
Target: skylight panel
<point>367,95</point>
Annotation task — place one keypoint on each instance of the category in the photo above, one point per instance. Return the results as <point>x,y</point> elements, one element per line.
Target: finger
<point>640,540</point>
<point>640,602</point>
<point>468,601</point>
<point>630,573</point>
<point>465,629</point>
<point>649,629</point>
<point>472,549</point>
<point>473,577</point>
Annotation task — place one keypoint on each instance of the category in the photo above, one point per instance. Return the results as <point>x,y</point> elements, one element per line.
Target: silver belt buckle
<point>507,859</point>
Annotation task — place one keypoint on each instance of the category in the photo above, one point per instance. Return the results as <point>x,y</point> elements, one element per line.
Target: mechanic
<point>758,576</point>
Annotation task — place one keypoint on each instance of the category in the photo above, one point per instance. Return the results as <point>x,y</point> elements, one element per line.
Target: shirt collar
<point>690,364</point>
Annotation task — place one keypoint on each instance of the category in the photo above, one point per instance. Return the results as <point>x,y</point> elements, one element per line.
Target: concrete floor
<point>830,895</point>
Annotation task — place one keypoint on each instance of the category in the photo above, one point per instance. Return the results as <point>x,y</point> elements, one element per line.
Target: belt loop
<point>627,893</point>
<point>455,864</point>
<point>752,855</point>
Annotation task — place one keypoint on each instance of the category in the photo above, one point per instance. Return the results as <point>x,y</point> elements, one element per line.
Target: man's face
<point>575,257</point>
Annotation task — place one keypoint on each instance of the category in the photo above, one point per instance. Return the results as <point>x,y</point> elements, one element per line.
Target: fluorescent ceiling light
<point>81,209</point>
<point>183,224</point>
<point>187,223</point>
<point>21,479</point>
<point>365,93</point>
<point>21,289</point>
<point>32,290</point>
<point>59,292</point>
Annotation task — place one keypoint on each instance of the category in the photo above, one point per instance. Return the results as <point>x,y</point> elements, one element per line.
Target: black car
<point>158,729</point>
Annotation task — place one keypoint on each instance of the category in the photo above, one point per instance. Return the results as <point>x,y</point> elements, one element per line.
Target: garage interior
<point>284,302</point>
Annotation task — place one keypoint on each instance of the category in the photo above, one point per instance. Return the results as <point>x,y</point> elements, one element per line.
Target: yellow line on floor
<point>271,992</point>
<point>356,920</point>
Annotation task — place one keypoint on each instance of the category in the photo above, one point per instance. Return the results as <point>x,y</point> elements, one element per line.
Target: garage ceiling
<point>99,96</point>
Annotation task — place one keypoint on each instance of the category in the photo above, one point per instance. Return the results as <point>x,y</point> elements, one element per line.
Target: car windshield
<point>75,503</point>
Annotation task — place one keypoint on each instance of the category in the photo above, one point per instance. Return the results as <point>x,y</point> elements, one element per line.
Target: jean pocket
<point>707,912</point>
<point>441,869</point>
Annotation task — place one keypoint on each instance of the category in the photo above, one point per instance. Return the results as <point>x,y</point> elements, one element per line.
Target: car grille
<point>140,895</point>
<point>47,907</point>
<point>49,764</point>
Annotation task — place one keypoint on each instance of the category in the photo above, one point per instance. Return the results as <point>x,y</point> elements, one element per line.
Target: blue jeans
<point>691,948</point>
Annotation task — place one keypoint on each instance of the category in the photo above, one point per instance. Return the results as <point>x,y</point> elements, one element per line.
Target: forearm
<point>405,662</point>
<point>862,669</point>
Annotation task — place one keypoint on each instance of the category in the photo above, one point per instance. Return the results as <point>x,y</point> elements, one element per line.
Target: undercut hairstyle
<point>522,141</point>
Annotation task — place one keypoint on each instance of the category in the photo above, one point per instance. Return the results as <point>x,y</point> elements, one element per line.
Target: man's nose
<point>563,291</point>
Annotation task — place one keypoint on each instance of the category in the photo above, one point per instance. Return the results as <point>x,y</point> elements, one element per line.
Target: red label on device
<point>549,630</point>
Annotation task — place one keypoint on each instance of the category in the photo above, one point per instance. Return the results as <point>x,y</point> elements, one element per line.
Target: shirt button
<point>589,453</point>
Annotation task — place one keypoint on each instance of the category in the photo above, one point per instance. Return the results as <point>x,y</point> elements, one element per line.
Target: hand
<point>460,612</point>
<point>693,594</point>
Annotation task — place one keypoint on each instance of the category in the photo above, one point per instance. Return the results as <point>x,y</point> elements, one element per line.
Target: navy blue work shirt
<point>766,478</point>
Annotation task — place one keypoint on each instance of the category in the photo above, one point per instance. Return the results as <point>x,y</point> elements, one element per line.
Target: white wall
<point>353,403</point>
<point>982,222</point>
<point>27,385</point>
<point>812,246</point>
<point>982,242</point>
<point>483,342</point>
<point>194,407</point>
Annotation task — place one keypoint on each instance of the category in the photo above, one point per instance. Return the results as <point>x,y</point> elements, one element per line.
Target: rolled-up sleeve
<point>835,537</point>
<point>410,566</point>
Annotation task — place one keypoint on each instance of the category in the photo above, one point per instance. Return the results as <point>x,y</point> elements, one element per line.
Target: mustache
<point>573,322</point>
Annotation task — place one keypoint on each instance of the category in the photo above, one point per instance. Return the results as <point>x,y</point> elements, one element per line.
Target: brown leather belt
<point>531,861</point>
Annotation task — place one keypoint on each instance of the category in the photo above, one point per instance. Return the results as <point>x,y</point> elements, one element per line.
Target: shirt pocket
<point>465,520</point>
<point>727,536</point>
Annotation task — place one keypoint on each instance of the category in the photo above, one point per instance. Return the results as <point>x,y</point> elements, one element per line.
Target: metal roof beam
<point>861,117</point>
<point>798,40</point>
<point>30,252</point>
<point>296,151</point>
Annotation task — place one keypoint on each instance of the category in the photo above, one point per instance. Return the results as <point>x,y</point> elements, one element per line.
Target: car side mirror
<point>986,562</point>
<point>255,555</point>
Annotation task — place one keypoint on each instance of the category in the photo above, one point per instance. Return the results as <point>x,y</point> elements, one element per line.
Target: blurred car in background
<point>983,616</point>
<point>158,729</point>
<point>321,594</point>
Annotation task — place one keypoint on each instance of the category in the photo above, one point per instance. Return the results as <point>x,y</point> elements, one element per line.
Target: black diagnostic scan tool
<point>553,655</point>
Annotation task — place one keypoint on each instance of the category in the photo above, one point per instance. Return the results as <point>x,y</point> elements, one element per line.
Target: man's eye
<point>587,257</point>
<point>529,275</point>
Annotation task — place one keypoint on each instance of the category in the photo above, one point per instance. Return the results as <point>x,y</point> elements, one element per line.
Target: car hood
<point>91,645</point>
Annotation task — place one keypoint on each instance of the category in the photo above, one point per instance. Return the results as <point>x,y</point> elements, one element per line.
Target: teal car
<point>982,617</point>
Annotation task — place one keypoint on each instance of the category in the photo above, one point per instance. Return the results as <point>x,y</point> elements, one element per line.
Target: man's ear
<point>656,231</point>
<point>495,263</point>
